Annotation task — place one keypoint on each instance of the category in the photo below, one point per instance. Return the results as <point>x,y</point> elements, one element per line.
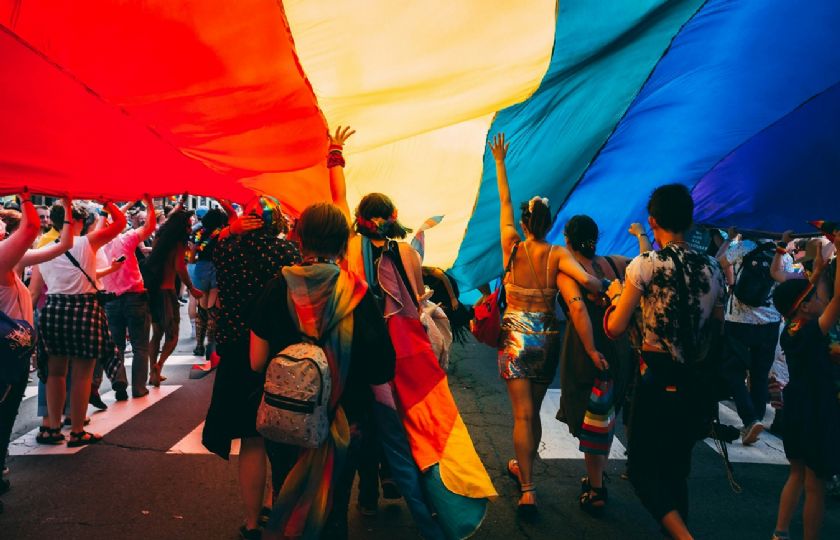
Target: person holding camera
<point>73,327</point>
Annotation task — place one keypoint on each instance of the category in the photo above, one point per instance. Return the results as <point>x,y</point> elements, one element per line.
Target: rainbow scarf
<point>321,299</point>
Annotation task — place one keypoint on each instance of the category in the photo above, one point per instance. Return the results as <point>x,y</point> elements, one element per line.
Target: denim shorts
<point>203,275</point>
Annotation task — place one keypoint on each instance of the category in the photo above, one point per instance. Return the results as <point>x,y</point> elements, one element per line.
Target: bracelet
<point>335,159</point>
<point>614,298</point>
<point>781,251</point>
<point>607,313</point>
<point>336,147</point>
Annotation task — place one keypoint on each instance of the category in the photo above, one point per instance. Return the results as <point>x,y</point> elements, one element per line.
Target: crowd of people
<point>660,338</point>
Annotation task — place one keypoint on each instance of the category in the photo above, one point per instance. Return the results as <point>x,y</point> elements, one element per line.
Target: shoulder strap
<point>394,251</point>
<point>613,266</point>
<point>686,327</point>
<point>537,279</point>
<point>82,270</point>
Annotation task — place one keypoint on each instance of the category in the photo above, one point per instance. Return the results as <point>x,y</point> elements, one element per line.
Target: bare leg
<point>524,446</point>
<point>675,526</point>
<point>57,389</point>
<point>812,514</point>
<point>80,391</point>
<point>791,493</point>
<point>252,473</point>
<point>537,395</point>
<point>154,352</point>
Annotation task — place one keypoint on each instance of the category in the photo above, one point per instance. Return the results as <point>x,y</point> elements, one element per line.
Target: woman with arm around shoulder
<point>530,341</point>
<point>589,355</point>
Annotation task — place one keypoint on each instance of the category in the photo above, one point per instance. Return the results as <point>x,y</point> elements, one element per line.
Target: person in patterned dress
<point>248,255</point>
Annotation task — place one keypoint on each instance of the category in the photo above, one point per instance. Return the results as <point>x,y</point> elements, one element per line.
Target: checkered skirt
<point>75,325</point>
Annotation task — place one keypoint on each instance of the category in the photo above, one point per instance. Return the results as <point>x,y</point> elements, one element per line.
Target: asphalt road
<point>150,479</point>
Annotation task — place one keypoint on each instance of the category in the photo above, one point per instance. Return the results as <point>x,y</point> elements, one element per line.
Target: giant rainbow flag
<point>601,100</point>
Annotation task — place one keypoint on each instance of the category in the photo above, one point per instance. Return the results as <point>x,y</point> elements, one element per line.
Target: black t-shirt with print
<point>372,354</point>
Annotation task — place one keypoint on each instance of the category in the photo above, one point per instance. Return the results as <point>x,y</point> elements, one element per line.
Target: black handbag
<point>103,297</point>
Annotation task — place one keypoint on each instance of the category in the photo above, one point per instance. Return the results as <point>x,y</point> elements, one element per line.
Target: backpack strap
<point>686,327</point>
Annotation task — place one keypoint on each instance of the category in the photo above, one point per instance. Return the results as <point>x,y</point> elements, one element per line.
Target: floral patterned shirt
<point>653,273</point>
<point>244,264</point>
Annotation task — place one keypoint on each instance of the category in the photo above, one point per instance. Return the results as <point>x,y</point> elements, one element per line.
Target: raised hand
<point>787,236</point>
<point>68,206</point>
<point>636,229</point>
<point>341,135</point>
<point>499,147</point>
<point>246,223</point>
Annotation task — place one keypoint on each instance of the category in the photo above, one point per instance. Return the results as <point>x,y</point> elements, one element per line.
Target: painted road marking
<point>101,422</point>
<point>191,444</point>
<point>557,442</point>
<point>769,450</point>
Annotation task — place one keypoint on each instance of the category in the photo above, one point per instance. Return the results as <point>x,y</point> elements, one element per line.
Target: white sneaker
<point>750,433</point>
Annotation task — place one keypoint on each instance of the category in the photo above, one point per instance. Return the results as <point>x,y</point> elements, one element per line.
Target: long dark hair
<point>376,217</point>
<point>174,232</point>
<point>582,233</point>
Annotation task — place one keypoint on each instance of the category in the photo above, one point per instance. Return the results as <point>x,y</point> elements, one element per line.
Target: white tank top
<point>61,277</point>
<point>15,300</point>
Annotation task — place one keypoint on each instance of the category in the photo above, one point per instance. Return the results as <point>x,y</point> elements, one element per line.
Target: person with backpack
<point>329,311</point>
<point>681,293</point>
<point>751,329</point>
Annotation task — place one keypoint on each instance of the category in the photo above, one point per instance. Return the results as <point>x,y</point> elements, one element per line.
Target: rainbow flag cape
<point>322,299</point>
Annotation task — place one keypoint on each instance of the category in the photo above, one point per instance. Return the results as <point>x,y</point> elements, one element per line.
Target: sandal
<point>586,486</point>
<point>49,436</point>
<point>82,438</point>
<point>527,511</point>
<point>594,501</point>
<point>265,515</point>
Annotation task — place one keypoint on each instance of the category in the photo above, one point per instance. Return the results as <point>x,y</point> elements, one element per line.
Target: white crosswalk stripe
<point>769,449</point>
<point>557,442</point>
<point>191,444</point>
<point>102,423</point>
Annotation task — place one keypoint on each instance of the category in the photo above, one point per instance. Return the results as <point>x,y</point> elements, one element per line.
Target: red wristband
<point>335,159</point>
<point>607,313</point>
<point>781,251</point>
